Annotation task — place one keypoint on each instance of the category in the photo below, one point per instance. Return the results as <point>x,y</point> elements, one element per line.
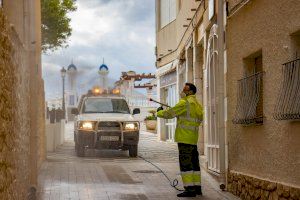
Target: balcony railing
<point>249,108</point>
<point>288,101</point>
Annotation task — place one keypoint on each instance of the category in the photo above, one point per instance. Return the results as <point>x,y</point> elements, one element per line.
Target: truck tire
<point>133,150</point>
<point>80,151</point>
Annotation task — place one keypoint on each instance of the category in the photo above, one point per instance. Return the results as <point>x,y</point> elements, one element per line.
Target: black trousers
<point>189,166</point>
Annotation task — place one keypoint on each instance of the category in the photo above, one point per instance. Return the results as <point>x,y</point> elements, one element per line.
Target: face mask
<point>182,95</point>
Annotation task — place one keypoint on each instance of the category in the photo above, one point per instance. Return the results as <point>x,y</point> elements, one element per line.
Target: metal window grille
<point>249,100</point>
<point>288,101</point>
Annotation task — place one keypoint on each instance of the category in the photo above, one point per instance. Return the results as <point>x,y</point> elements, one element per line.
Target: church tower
<point>103,73</point>
<point>71,93</point>
<point>72,76</point>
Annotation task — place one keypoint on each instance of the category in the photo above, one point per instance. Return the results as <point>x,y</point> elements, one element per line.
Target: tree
<point>55,23</point>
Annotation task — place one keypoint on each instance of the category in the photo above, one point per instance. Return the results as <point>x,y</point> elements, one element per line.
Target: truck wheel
<point>133,150</point>
<point>80,151</point>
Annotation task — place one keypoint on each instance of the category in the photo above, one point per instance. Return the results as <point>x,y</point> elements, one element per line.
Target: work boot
<point>198,190</point>
<point>187,194</point>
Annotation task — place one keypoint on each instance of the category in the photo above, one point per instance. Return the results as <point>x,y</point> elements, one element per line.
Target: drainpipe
<point>221,88</point>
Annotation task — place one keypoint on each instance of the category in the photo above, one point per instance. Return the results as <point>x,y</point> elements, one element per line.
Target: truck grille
<point>109,126</point>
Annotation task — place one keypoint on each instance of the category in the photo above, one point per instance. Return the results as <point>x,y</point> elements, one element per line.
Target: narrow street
<point>222,74</point>
<point>112,175</point>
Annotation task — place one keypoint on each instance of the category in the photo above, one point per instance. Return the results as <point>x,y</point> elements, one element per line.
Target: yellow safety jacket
<point>189,115</point>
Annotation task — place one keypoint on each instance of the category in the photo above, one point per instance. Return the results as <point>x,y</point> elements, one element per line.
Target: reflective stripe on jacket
<point>189,115</point>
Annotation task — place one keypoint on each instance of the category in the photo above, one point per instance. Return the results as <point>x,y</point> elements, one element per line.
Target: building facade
<point>233,52</point>
<point>263,88</point>
<point>22,105</point>
<point>188,51</point>
<point>129,89</point>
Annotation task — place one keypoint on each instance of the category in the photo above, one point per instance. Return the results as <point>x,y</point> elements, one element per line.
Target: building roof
<point>103,67</point>
<point>72,66</point>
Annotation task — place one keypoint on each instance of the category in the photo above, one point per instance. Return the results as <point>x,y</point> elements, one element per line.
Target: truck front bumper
<point>107,139</point>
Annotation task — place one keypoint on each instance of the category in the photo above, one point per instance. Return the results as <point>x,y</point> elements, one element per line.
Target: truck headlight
<point>130,126</point>
<point>86,125</point>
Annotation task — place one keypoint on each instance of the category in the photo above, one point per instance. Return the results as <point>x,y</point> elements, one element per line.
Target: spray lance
<point>159,103</point>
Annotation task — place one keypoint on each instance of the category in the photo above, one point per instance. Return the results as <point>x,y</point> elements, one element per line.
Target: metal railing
<point>249,100</point>
<point>288,103</point>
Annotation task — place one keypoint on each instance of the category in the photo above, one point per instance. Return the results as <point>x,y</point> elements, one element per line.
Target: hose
<point>173,183</point>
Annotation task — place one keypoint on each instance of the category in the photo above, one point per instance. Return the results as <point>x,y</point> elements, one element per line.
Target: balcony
<point>288,100</point>
<point>249,108</point>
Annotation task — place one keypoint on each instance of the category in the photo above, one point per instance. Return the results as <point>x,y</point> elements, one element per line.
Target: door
<point>213,153</point>
<point>171,123</point>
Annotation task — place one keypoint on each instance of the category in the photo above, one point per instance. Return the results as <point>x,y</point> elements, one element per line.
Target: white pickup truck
<point>105,122</point>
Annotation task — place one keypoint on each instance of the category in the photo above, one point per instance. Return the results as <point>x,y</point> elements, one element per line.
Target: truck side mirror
<point>136,111</point>
<point>74,111</point>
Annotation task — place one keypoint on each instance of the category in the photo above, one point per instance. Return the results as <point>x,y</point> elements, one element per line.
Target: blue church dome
<point>72,66</point>
<point>103,67</point>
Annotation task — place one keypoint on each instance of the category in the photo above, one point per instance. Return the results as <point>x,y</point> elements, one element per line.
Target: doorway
<point>213,150</point>
<point>171,99</point>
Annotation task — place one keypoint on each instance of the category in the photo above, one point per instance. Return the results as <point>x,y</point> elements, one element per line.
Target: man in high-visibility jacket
<point>189,114</point>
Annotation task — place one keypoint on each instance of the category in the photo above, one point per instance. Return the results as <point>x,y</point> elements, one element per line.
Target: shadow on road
<point>66,152</point>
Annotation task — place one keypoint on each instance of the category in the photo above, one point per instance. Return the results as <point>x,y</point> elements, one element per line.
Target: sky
<point>120,31</point>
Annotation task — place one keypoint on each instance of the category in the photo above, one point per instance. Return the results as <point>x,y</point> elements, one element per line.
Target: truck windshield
<point>95,105</point>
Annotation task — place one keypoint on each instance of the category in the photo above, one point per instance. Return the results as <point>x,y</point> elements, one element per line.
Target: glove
<point>159,109</point>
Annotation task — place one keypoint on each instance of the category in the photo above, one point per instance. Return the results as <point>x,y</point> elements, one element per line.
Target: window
<point>295,44</point>
<point>1,3</point>
<point>258,70</point>
<point>211,9</point>
<point>99,105</point>
<point>72,100</point>
<point>249,108</point>
<point>287,105</point>
<point>167,12</point>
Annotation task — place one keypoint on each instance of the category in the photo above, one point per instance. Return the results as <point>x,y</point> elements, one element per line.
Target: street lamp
<point>63,72</point>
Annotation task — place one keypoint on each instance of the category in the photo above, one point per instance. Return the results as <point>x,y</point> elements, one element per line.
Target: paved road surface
<point>112,175</point>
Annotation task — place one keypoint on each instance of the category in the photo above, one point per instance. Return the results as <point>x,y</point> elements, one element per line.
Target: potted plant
<point>151,120</point>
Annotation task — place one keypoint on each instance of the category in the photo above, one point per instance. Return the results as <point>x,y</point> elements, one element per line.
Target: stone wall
<point>41,124</point>
<point>247,187</point>
<point>14,117</point>
<point>269,151</point>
